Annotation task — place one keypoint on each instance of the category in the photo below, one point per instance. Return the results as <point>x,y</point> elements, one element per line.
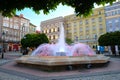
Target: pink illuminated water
<point>63,49</point>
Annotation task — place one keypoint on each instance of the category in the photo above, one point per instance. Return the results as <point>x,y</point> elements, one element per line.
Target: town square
<point>60,40</point>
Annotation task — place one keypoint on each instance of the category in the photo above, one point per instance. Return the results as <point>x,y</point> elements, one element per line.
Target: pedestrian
<point>98,49</point>
<point>4,50</point>
<point>0,50</point>
<point>101,49</point>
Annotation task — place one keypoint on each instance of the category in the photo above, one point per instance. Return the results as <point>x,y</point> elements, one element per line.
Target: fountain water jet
<point>62,49</point>
<point>61,54</point>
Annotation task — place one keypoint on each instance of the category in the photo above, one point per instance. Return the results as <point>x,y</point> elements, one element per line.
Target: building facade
<point>112,14</point>
<point>86,29</point>
<point>32,28</point>
<point>89,29</point>
<point>51,28</point>
<point>12,30</point>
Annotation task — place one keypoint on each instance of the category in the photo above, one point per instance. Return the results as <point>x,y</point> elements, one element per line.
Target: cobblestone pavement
<point>103,77</point>
<point>7,73</point>
<point>9,56</point>
<point>3,61</point>
<point>5,76</point>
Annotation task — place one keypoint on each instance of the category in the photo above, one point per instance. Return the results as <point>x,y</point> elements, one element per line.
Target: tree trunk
<point>113,50</point>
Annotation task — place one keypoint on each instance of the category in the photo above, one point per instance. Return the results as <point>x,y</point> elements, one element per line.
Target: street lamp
<point>76,39</point>
<point>96,42</point>
<point>3,34</point>
<point>22,33</point>
<point>23,26</point>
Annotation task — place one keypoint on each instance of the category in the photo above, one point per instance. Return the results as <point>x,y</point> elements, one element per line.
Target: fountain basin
<point>62,60</point>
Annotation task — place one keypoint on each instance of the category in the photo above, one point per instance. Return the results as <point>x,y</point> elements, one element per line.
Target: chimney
<point>21,15</point>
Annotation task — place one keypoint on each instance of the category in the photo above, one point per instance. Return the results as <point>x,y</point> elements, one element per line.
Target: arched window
<point>49,30</point>
<point>53,36</point>
<point>58,29</point>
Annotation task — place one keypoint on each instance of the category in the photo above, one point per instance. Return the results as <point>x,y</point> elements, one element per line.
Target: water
<point>61,48</point>
<point>61,41</point>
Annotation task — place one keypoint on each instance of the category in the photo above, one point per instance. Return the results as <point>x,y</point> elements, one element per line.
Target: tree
<point>110,39</point>
<point>68,41</point>
<point>33,40</point>
<point>82,7</point>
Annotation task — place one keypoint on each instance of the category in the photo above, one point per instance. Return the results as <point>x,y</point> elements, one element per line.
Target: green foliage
<point>68,41</point>
<point>34,40</point>
<point>82,7</point>
<point>112,38</point>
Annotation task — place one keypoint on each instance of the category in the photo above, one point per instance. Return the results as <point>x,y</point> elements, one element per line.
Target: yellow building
<point>86,29</point>
<point>51,28</point>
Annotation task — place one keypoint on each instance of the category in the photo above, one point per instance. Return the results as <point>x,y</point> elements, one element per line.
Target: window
<point>81,22</point>
<point>47,31</point>
<point>109,14</point>
<point>54,37</point>
<point>110,28</point>
<point>68,25</point>
<point>109,22</point>
<point>44,31</point>
<point>58,29</point>
<point>16,26</point>
<point>100,26</point>
<point>87,28</point>
<point>106,14</point>
<point>81,37</point>
<point>100,19</point>
<point>81,29</point>
<point>118,11</point>
<point>86,21</point>
<point>113,13</point>
<point>74,24</point>
<point>116,21</point>
<point>75,30</point>
<point>51,30</point>
<point>6,18</point>
<point>117,26</point>
<point>87,37</point>
<point>51,37</point>
<point>5,24</point>
<point>99,12</point>
<point>93,28</point>
<point>10,25</point>
<point>55,29</point>
<point>95,36</point>
<point>93,20</point>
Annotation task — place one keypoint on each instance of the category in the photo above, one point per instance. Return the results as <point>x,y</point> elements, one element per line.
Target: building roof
<point>33,25</point>
<point>21,15</point>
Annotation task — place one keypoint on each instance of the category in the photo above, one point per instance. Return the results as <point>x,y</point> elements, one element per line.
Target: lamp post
<point>2,56</point>
<point>96,42</point>
<point>22,33</point>
<point>76,39</point>
<point>22,30</point>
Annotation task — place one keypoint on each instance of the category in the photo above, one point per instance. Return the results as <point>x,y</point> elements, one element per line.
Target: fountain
<point>51,56</point>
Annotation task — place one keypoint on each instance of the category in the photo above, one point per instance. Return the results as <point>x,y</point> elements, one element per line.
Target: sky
<point>36,19</point>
